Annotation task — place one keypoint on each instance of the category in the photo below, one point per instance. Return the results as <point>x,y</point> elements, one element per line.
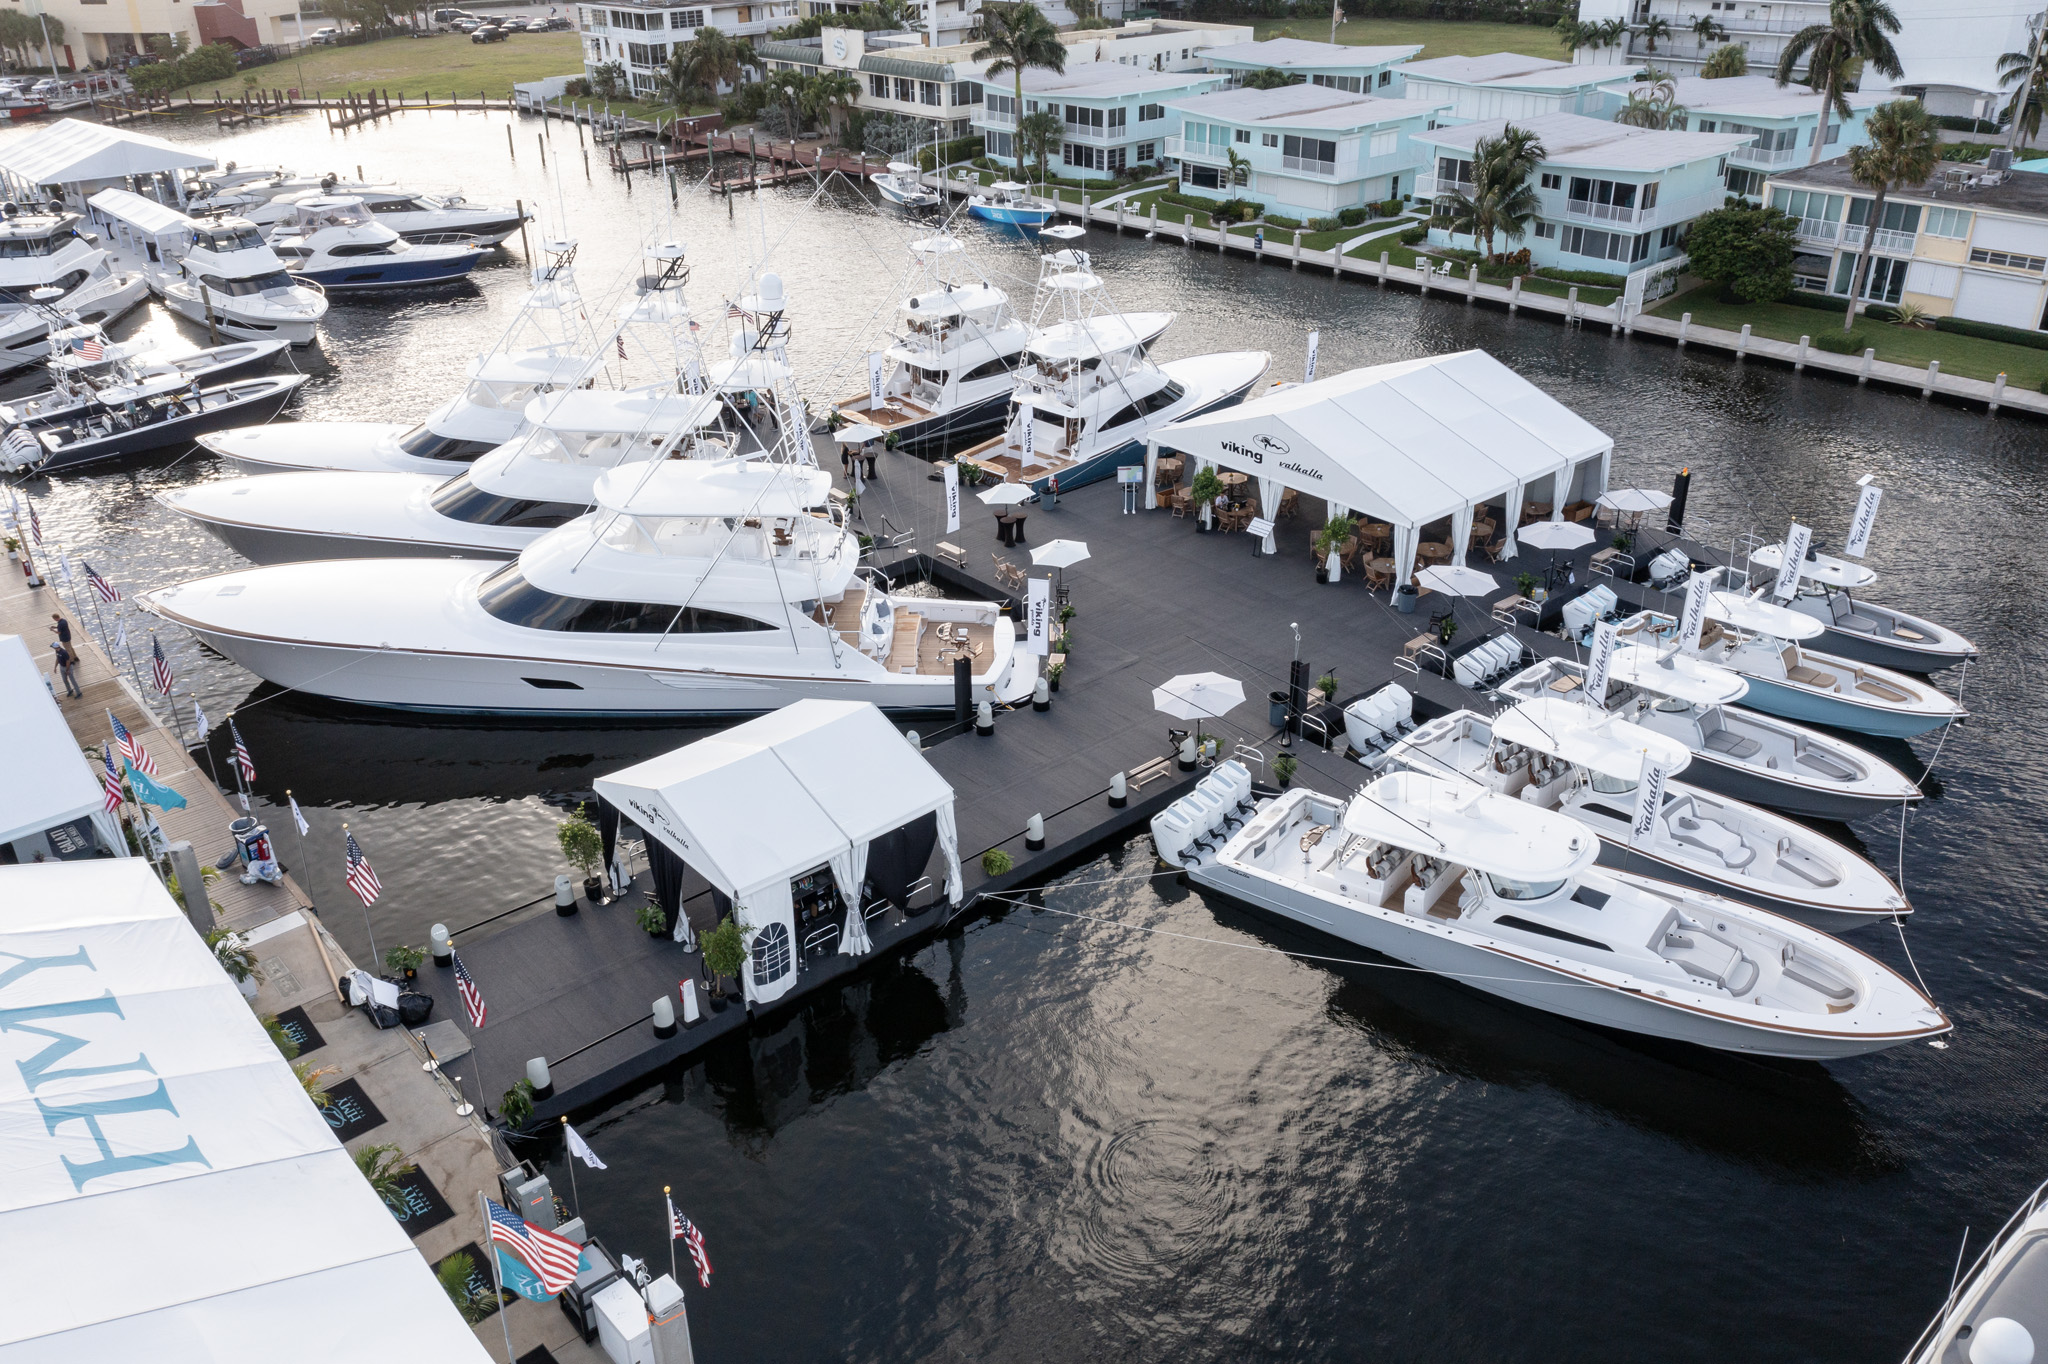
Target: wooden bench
<point>1152,771</point>
<point>952,554</point>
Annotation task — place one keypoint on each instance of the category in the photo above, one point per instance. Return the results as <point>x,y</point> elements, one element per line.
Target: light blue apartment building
<point>1508,85</point>
<point>1113,116</point>
<point>1312,150</point>
<point>1337,66</point>
<point>1781,123</point>
<point>1613,198</point>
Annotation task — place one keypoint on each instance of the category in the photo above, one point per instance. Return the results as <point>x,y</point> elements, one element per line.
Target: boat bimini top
<point>1821,569</point>
<point>1755,616</point>
<point>1472,827</point>
<point>1602,743</point>
<point>1680,677</point>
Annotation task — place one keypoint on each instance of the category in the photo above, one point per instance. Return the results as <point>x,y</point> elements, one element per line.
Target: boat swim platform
<point>1154,600</point>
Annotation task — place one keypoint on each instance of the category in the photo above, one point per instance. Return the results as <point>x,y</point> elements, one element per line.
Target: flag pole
<point>207,749</point>
<point>170,697</point>
<point>242,789</point>
<point>668,1211</point>
<point>574,1198</point>
<point>293,805</point>
<point>497,1276</point>
<point>359,899</point>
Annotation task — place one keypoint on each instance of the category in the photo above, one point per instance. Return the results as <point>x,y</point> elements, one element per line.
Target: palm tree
<point>832,93</point>
<point>1659,108</point>
<point>1501,201</point>
<point>676,86</point>
<point>1240,168</point>
<point>1904,149</point>
<point>1611,32</point>
<point>1016,36</point>
<point>791,90</point>
<point>1037,135</point>
<point>1731,60</point>
<point>716,58</point>
<point>2023,110</point>
<point>1855,31</point>
<point>384,1166</point>
<point>1575,35</point>
<point>1658,27</point>
<point>1705,30</point>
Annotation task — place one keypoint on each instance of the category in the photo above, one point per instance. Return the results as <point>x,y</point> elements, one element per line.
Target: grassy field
<point>447,64</point>
<point>1439,37</point>
<point>1969,356</point>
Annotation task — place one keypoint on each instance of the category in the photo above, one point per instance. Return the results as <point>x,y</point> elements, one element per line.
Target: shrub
<point>725,948</point>
<point>1991,331</point>
<point>1415,236</point>
<point>995,862</point>
<point>515,1105</point>
<point>959,149</point>
<point>1351,217</point>
<point>1841,343</point>
<point>1284,768</point>
<point>651,918</point>
<point>1284,224</point>
<point>155,78</point>
<point>1745,250</point>
<point>582,844</point>
<point>1324,224</point>
<point>1804,298</point>
<point>1592,277</point>
<point>1389,208</point>
<point>214,62</point>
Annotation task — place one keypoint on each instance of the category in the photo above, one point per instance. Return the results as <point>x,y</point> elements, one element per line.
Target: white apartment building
<point>642,35</point>
<point>1949,48</point>
<point>96,31</point>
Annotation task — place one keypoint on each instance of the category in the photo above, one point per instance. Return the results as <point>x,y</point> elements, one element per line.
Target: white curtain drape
<point>1270,493</point>
<point>949,844</point>
<point>109,829</point>
<point>1511,518</point>
<point>1461,533</point>
<point>849,870</point>
<point>1405,539</point>
<point>1560,492</point>
<point>1151,475</point>
<point>755,910</point>
<point>683,933</point>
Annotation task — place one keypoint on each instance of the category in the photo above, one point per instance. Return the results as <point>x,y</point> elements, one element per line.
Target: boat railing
<point>445,239</point>
<point>1247,754</point>
<point>305,282</point>
<point>819,935</point>
<point>1622,565</point>
<point>874,578</point>
<point>2004,1235</point>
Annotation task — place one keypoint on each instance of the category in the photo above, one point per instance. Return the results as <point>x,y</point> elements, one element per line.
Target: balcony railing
<point>1886,239</point>
<point>1307,166</point>
<point>994,119</point>
<point>1183,149</point>
<point>1762,159</point>
<point>1819,230</point>
<point>1088,132</point>
<point>1606,213</point>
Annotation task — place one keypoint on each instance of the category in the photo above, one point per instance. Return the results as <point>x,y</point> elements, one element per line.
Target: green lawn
<point>446,64</point>
<point>1968,356</point>
<point>1439,37</point>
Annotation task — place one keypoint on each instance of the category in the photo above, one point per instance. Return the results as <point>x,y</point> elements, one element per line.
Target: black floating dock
<point>1155,599</point>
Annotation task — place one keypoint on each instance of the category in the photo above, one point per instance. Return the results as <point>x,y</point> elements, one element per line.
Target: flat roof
<point>1107,80</point>
<point>1575,140</point>
<point>1509,69</point>
<point>1303,106</point>
<point>2023,192</point>
<point>1754,97</point>
<point>1281,53</point>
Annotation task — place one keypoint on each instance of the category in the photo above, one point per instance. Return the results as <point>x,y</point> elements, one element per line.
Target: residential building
<point>1969,243</point>
<point>1113,117</point>
<point>1611,197</point>
<point>1950,51</point>
<point>95,31</point>
<point>1506,85</point>
<point>1340,66</point>
<point>1782,122</point>
<point>957,19</point>
<point>641,36</point>
<point>1311,150</point>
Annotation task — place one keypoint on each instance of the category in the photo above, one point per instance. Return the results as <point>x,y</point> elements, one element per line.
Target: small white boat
<point>1858,629</point>
<point>1006,201</point>
<point>1564,756</point>
<point>230,279</point>
<point>1506,898</point>
<point>901,186</point>
<point>1996,1313</point>
<point>87,363</point>
<point>1737,752</point>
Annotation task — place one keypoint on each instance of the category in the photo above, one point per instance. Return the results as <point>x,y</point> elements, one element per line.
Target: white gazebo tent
<point>760,804</point>
<point>51,805</point>
<point>147,228</point>
<point>154,1123</point>
<point>83,157</point>
<point>1406,443</point>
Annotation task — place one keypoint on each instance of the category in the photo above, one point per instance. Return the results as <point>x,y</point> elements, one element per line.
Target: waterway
<point>1049,1137</point>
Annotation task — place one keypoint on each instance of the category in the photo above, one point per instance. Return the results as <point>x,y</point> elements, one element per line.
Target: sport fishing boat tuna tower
<point>1506,898</point>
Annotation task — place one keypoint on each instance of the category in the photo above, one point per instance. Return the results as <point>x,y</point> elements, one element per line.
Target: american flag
<point>91,349</point>
<point>681,1228</point>
<point>106,590</point>
<point>361,877</point>
<point>621,342</point>
<point>131,747</point>
<point>35,523</point>
<point>159,666</point>
<point>21,446</point>
<point>110,780</point>
<point>248,771</point>
<point>554,1257</point>
<point>735,311</point>
<point>465,985</point>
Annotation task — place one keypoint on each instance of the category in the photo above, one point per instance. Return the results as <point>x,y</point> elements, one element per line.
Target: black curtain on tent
<point>608,827</point>
<point>897,858</point>
<point>667,867</point>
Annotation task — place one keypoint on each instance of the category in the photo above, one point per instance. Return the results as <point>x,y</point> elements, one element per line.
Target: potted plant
<point>232,953</point>
<point>1284,768</point>
<point>1445,629</point>
<point>1205,489</point>
<point>13,548</point>
<point>725,955</point>
<point>970,473</point>
<point>1329,540</point>
<point>1066,613</point>
<point>1062,643</point>
<point>404,962</point>
<point>1053,672</point>
<point>583,849</point>
<point>515,1106</point>
<point>650,917</point>
<point>1327,685</point>
<point>1528,584</point>
<point>995,862</point>
<point>385,1167</point>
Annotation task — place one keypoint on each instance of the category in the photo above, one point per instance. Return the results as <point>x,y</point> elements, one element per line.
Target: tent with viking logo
<point>1409,443</point>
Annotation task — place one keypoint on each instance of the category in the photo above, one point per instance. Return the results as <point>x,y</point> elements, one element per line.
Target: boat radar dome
<point>2002,1340</point>
<point>11,209</point>
<point>771,294</point>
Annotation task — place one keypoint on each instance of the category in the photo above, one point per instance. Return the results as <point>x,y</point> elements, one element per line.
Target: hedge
<point>1351,217</point>
<point>1991,331</point>
<point>1415,236</point>
<point>1842,343</point>
<point>1592,277</point>
<point>1803,298</point>
<point>1284,224</point>
<point>960,149</point>
<point>1326,224</point>
<point>1958,124</point>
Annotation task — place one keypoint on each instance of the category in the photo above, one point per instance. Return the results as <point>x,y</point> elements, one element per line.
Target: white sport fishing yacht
<point>1995,1311</point>
<point>230,279</point>
<point>53,274</point>
<point>1560,755</point>
<point>494,509</point>
<point>335,242</point>
<point>699,587</point>
<point>1735,752</point>
<point>547,345</point>
<point>1506,898</point>
<point>419,216</point>
<point>1857,629</point>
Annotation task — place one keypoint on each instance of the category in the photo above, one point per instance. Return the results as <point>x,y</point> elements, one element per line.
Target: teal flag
<point>149,791</point>
<point>514,1274</point>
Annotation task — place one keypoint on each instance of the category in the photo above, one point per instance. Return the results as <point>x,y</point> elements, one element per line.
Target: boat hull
<point>944,432</point>
<point>1798,703</point>
<point>1738,782</point>
<point>1524,981</point>
<point>297,331</point>
<point>397,274</point>
<point>178,432</point>
<point>922,198</point>
<point>276,545</point>
<point>1898,655</point>
<point>1021,217</point>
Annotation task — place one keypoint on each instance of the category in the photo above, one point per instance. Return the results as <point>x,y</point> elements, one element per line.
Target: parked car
<point>325,37</point>
<point>449,16</point>
<point>514,24</point>
<point>559,24</point>
<point>467,25</point>
<point>489,33</point>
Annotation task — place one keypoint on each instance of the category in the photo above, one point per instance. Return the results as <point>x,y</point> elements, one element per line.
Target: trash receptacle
<point>1276,708</point>
<point>1404,599</point>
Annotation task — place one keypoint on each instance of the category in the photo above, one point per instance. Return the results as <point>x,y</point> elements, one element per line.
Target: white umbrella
<point>1198,696</point>
<point>1006,494</point>
<point>860,433</point>
<point>1457,580</point>
<point>1638,500</point>
<point>1059,553</point>
<point>1554,535</point>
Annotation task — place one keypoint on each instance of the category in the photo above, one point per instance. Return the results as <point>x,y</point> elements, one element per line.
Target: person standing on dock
<point>62,628</point>
<point>67,669</point>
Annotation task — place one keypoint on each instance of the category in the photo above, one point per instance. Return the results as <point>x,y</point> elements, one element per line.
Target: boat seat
<point>1862,625</point>
<point>1721,739</point>
<point>1811,677</point>
<point>1883,690</point>
<point>1903,633</point>
<point>1710,959</point>
<point>1797,862</point>
<point>1824,765</point>
<point>1814,978</point>
<point>1710,836</point>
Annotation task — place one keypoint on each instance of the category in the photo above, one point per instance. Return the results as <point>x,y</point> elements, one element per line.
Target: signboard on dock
<point>1038,617</point>
<point>952,498</point>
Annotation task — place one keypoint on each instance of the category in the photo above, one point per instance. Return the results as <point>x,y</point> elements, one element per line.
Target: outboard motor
<point>1202,820</point>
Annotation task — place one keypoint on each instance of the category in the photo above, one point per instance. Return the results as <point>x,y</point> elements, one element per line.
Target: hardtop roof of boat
<point>971,298</point>
<point>705,487</point>
<point>1085,338</point>
<point>1587,738</point>
<point>1008,185</point>
<point>754,370</point>
<point>1820,568</point>
<point>530,367</point>
<point>1756,616</point>
<point>938,244</point>
<point>1681,677</point>
<point>1472,827</point>
<point>596,411</point>
<point>151,387</point>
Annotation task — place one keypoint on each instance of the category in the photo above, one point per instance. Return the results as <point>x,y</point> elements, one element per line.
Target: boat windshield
<point>1612,786</point>
<point>224,239</point>
<point>461,500</point>
<point>508,596</point>
<point>426,443</point>
<point>16,248</point>
<point>254,284</point>
<point>1508,889</point>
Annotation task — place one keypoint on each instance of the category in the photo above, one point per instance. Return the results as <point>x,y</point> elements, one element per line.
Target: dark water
<point>1054,1137</point>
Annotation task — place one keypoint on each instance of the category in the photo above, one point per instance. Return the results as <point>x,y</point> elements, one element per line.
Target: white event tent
<point>83,157</point>
<point>1407,443</point>
<point>167,1191</point>
<point>50,804</point>
<point>810,785</point>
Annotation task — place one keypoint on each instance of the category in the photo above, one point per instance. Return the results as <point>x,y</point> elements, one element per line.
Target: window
<point>1243,135</point>
<point>1811,206</point>
<point>1003,107</point>
<point>1151,113</point>
<point>1547,231</point>
<point>1523,890</point>
<point>966,92</point>
<point>1202,177</point>
<point>1668,238</point>
<point>508,596</point>
<point>1617,194</point>
<point>929,92</point>
<point>461,500</point>
<point>1309,154</point>
<point>1451,172</point>
<point>1183,54</point>
<point>1269,139</point>
<point>1551,181</point>
<point>1386,79</point>
<point>1886,282</point>
<point>596,18</point>
<point>1000,144</point>
<point>626,19</point>
<point>686,18</point>
<point>1897,217</point>
<point>1947,222</point>
<point>1587,241</point>
<point>1116,160</point>
<point>1116,120</point>
<point>2008,259</point>
<point>906,90</point>
<point>1745,182</point>
<point>988,369</point>
<point>1148,152</point>
<point>647,54</point>
<point>878,86</point>
<point>1384,144</point>
<point>1355,84</point>
<point>745,15</point>
<point>771,953</point>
